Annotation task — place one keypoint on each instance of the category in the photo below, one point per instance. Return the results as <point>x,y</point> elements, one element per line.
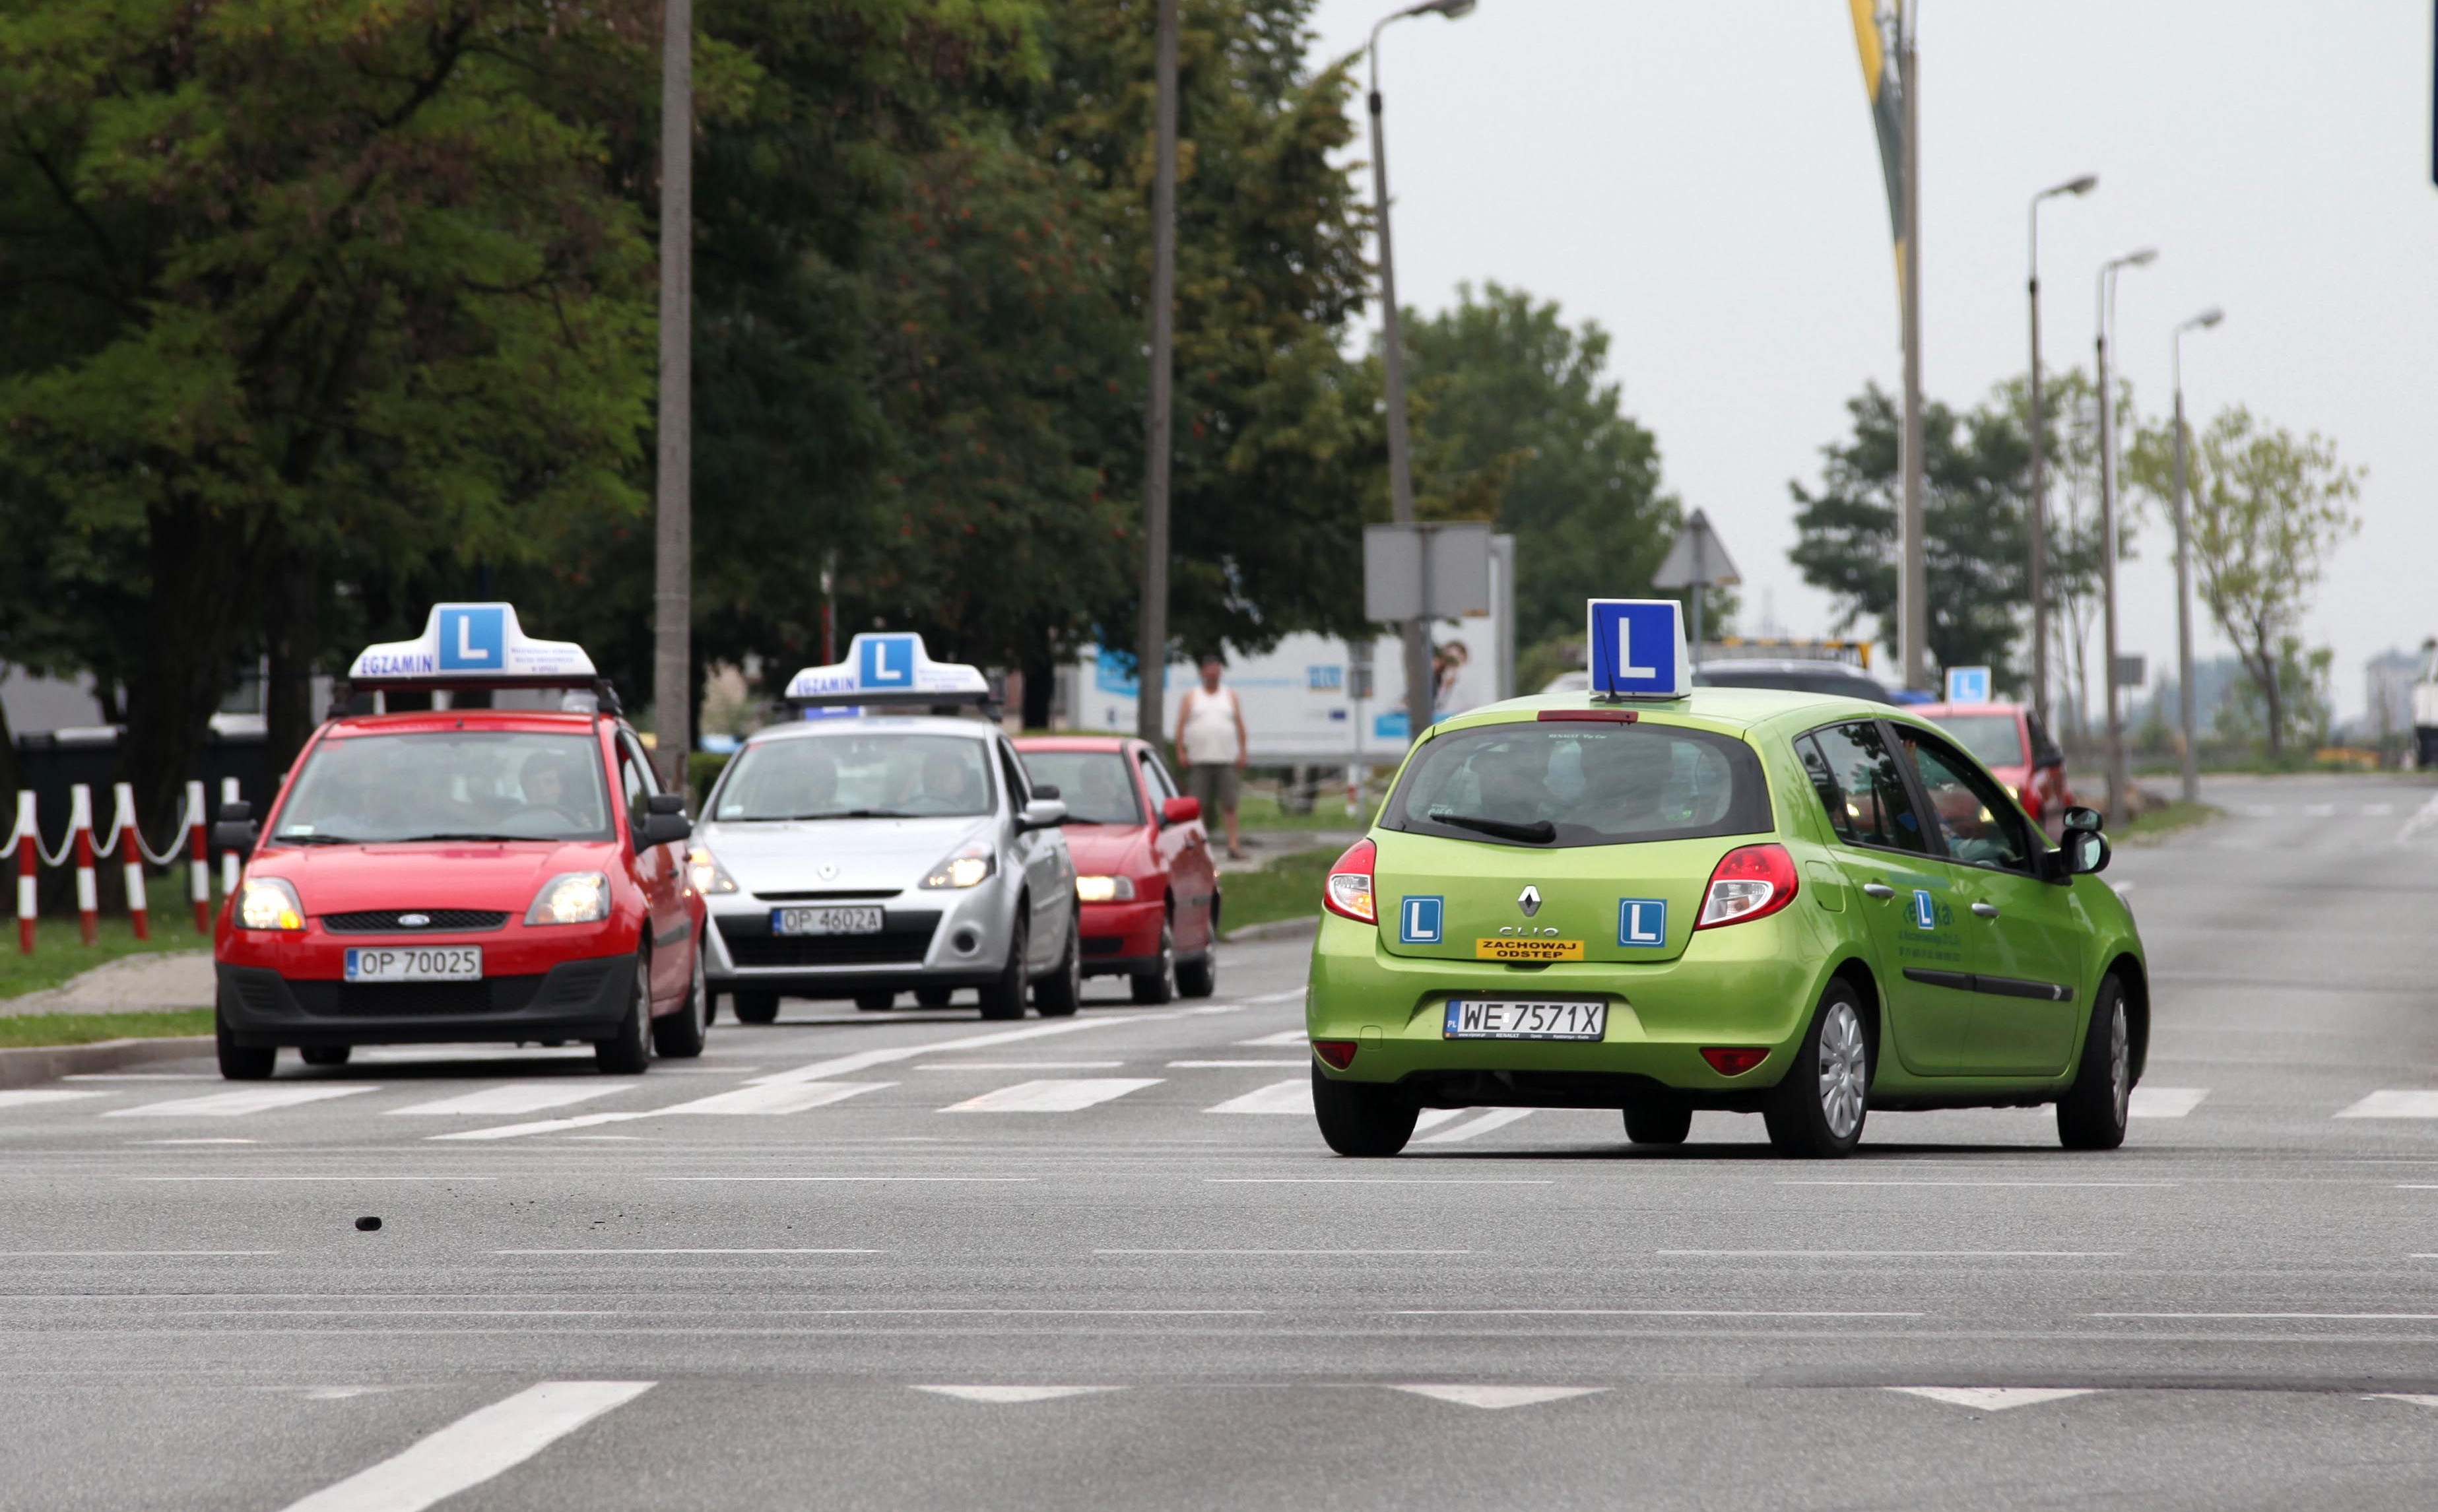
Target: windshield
<point>1094,784</point>
<point>1995,738</point>
<point>866,774</point>
<point>1588,782</point>
<point>461,784</point>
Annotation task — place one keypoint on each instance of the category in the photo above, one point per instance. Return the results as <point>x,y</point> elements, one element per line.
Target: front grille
<point>904,939</point>
<point>384,920</point>
<point>497,994</point>
<point>1103,944</point>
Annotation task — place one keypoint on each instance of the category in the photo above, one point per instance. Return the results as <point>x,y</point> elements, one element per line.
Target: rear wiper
<point>1539,831</point>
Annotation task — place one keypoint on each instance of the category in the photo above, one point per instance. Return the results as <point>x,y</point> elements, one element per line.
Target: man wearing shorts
<point>1211,744</point>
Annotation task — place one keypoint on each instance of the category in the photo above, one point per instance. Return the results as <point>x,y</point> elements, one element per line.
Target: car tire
<point>1818,1109</point>
<point>2092,1114</point>
<point>1004,996</point>
<point>1655,1121</point>
<point>241,1062</point>
<point>1158,985</point>
<point>678,1036</point>
<point>325,1054</point>
<point>628,1051</point>
<point>1061,993</point>
<point>1363,1119</point>
<point>1199,977</point>
<point>755,1008</point>
<point>933,997</point>
<point>875,1002</point>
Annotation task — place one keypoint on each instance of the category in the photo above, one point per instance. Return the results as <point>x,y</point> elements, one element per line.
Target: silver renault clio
<point>866,857</point>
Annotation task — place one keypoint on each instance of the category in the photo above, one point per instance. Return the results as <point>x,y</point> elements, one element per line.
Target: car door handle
<point>1878,889</point>
<point>1987,911</point>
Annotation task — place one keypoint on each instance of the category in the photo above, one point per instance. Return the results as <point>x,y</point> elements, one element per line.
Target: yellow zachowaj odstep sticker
<point>1512,949</point>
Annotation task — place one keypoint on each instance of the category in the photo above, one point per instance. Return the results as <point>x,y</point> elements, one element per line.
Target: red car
<point>1143,874</point>
<point>463,874</point>
<point>2011,740</point>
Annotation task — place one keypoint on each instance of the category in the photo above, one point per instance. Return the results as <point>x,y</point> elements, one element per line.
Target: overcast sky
<point>1701,179</point>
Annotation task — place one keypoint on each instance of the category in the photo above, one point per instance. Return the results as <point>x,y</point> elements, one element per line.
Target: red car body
<point>1163,851</point>
<point>554,981</point>
<point>2011,740</point>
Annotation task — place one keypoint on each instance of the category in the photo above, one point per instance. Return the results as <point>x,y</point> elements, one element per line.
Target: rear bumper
<point>573,1000</point>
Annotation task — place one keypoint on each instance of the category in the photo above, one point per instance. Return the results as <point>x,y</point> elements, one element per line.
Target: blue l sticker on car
<point>1925,912</point>
<point>1417,920</point>
<point>1642,923</point>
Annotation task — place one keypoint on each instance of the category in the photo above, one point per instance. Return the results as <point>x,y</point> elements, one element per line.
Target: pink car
<point>2011,740</point>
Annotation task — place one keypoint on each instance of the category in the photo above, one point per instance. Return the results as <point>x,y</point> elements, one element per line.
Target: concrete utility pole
<point>673,540</point>
<point>1913,582</point>
<point>2184,721</point>
<point>1420,700</point>
<point>1150,652</point>
<point>2038,585</point>
<point>2116,780</point>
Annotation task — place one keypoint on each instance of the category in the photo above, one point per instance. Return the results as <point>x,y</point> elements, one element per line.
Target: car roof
<point>1733,710</point>
<point>1088,743</point>
<point>876,724</point>
<point>1933,710</point>
<point>434,721</point>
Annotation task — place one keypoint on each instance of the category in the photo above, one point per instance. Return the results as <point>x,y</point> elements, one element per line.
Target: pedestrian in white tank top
<point>1211,746</point>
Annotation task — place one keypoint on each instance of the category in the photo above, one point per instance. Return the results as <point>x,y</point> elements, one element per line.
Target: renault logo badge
<point>1529,900</point>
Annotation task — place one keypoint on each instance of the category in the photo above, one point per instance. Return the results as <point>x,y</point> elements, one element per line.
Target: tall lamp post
<point>673,524</point>
<point>2184,565</point>
<point>1419,692</point>
<point>2117,782</point>
<point>2039,520</point>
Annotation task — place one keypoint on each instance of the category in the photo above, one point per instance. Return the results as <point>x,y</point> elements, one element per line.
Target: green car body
<point>1974,984</point>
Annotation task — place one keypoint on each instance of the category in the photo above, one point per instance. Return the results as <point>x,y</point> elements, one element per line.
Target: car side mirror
<point>1180,810</point>
<point>1045,790</point>
<point>664,821</point>
<point>2081,818</point>
<point>1042,814</point>
<point>2086,853</point>
<point>235,829</point>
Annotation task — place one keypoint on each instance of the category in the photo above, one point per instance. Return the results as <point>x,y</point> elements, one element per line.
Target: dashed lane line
<point>1054,1096</point>
<point>238,1103</point>
<point>1995,1398</point>
<point>1496,1118</point>
<point>475,1448</point>
<point>527,1097</point>
<point>2395,1104</point>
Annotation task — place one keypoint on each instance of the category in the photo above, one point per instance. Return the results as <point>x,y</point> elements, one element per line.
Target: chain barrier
<point>125,841</point>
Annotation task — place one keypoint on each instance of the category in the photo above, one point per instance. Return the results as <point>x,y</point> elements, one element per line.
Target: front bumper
<point>1120,938</point>
<point>935,939</point>
<point>1750,985</point>
<point>571,1000</point>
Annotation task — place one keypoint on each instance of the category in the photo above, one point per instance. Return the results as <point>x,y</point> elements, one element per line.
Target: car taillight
<point>1751,882</point>
<point>1349,891</point>
<point>1335,1054</point>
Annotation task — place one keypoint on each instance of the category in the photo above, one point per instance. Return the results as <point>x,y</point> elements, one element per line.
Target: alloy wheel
<point>1845,1070</point>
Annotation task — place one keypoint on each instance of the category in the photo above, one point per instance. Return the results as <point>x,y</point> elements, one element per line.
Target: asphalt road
<point>919,1262</point>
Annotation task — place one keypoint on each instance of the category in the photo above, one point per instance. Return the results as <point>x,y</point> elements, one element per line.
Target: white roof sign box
<point>470,642</point>
<point>889,666</point>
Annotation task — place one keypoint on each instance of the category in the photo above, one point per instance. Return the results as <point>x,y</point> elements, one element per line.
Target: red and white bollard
<point>30,844</point>
<point>80,829</point>
<point>199,866</point>
<point>228,858</point>
<point>131,854</point>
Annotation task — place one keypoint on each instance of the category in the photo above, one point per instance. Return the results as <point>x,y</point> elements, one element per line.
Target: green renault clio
<point>1797,904</point>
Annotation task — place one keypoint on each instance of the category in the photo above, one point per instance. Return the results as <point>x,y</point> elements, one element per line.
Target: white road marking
<point>1496,1118</point>
<point>1496,1398</point>
<point>1053,1095</point>
<point>838,1065</point>
<point>1379,1181</point>
<point>1994,1399</point>
<point>39,1097</point>
<point>529,1097</point>
<point>2422,818</point>
<point>2373,811</point>
<point>1631,1312</point>
<point>2394,1106</point>
<point>2165,1102</point>
<point>1219,1065</point>
<point>2260,811</point>
<point>140,1076</point>
<point>518,1130</point>
<point>1903,1254</point>
<point>2145,1185</point>
<point>238,1103</point>
<point>761,1099</point>
<point>1294,1096</point>
<point>2319,811</point>
<point>1020,1065</point>
<point>1014,1394</point>
<point>1283,1251</point>
<point>1433,1117</point>
<point>475,1448</point>
<point>193,1141</point>
<point>689,1251</point>
<point>1295,995</point>
<point>989,1179</point>
<point>2416,1399</point>
<point>307,1178</point>
<point>126,1255</point>
<point>2277,1317</point>
<point>1282,1037</point>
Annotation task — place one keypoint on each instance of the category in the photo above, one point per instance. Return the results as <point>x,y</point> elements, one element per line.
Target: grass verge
<point>60,953</point>
<point>1260,811</point>
<point>1288,887</point>
<point>25,1029</point>
<point>2158,823</point>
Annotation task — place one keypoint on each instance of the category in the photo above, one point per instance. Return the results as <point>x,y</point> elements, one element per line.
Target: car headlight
<point>570,898</point>
<point>708,874</point>
<point>963,869</point>
<point>268,903</point>
<point>1104,890</point>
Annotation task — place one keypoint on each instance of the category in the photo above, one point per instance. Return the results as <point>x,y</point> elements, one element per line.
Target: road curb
<point>1276,929</point>
<point>48,1063</point>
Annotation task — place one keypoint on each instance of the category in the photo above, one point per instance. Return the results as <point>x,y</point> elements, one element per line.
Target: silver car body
<point>931,936</point>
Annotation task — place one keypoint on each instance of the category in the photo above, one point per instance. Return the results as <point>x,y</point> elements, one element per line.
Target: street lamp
<point>2184,564</point>
<point>1400,462</point>
<point>2039,524</point>
<point>2116,782</point>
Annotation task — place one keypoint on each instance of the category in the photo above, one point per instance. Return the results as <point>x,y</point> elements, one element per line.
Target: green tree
<point>2267,511</point>
<point>1972,514</point>
<point>314,279</point>
<point>1519,405</point>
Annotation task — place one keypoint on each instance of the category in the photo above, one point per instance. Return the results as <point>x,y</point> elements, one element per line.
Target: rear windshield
<point>1566,784</point>
<point>892,773</point>
<point>1843,684</point>
<point>461,786</point>
<point>1995,738</point>
<point>1094,784</point>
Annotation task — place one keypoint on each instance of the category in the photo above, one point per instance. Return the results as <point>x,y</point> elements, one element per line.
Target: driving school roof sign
<point>1635,648</point>
<point>880,667</point>
<point>472,640</point>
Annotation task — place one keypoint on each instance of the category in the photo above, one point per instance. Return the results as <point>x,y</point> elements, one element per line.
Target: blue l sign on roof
<point>1635,648</point>
<point>1967,685</point>
<point>474,639</point>
<point>888,661</point>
